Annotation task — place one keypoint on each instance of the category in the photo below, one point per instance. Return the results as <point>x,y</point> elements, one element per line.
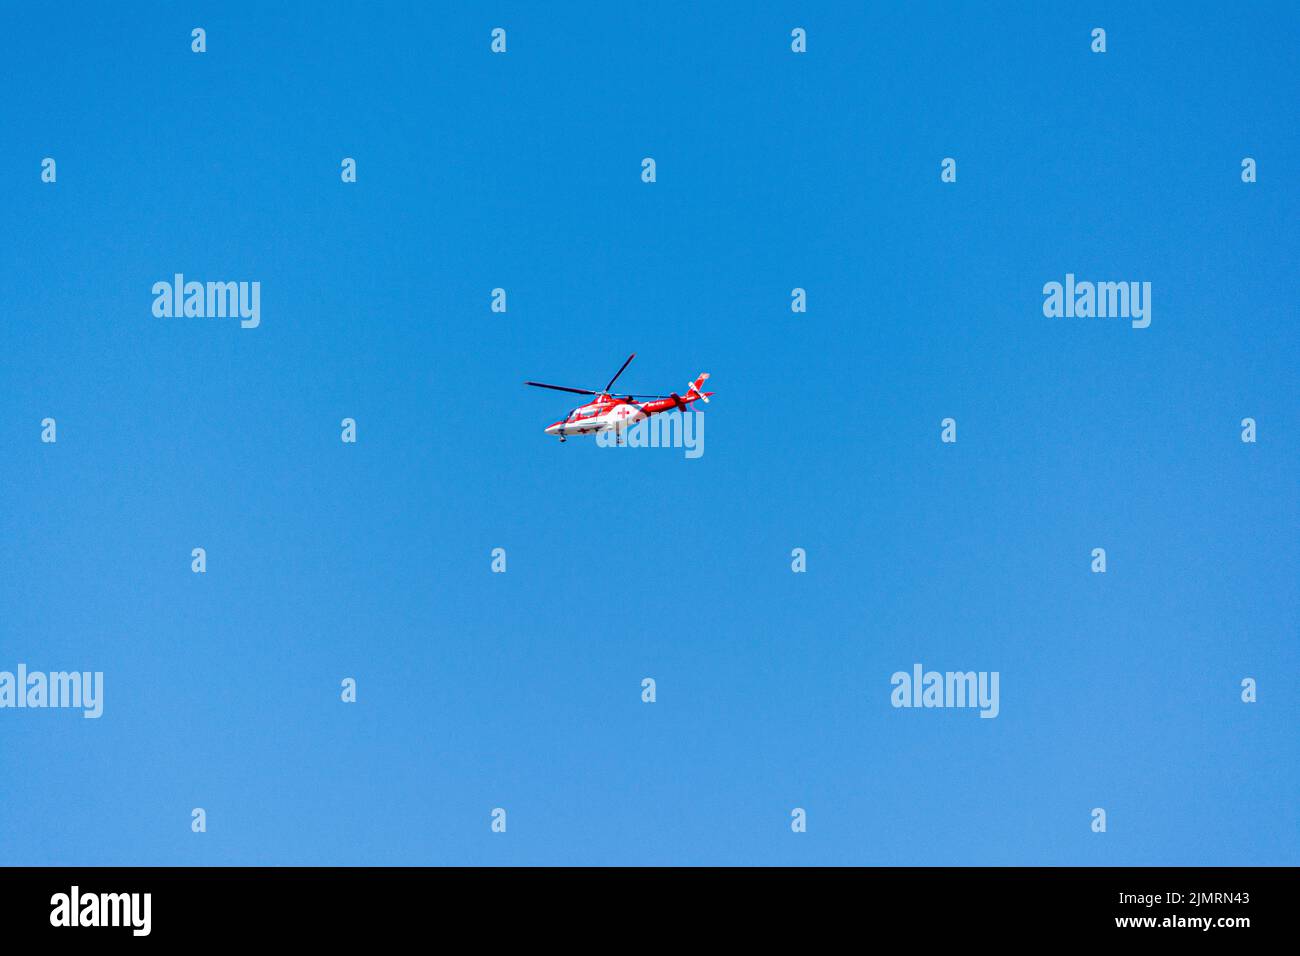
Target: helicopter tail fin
<point>693,390</point>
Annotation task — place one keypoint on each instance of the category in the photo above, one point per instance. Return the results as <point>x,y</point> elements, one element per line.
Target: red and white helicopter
<point>619,412</point>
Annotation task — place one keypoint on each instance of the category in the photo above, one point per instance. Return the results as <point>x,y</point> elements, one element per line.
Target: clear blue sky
<point>522,690</point>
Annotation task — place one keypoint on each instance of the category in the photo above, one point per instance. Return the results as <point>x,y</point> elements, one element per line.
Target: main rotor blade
<point>620,372</point>
<point>562,388</point>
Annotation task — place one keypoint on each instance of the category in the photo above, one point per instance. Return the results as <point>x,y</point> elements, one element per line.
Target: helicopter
<point>607,411</point>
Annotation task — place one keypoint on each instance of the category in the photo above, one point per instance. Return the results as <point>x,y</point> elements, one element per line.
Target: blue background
<point>522,690</point>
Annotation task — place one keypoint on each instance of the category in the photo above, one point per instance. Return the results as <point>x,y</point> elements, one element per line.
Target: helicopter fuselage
<point>606,413</point>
